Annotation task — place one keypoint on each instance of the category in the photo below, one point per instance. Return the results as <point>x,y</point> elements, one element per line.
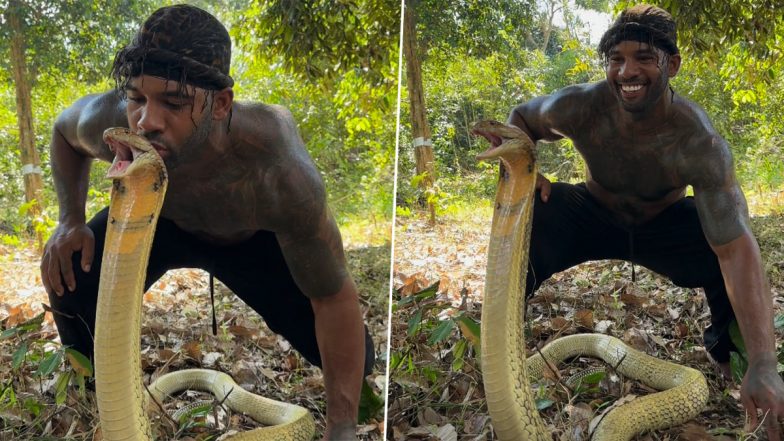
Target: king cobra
<point>505,370</point>
<point>139,186</point>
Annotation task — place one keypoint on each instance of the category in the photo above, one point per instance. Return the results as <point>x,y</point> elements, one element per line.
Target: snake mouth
<point>127,148</point>
<point>495,143</point>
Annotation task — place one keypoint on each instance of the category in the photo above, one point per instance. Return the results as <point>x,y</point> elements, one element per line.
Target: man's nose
<point>629,69</point>
<point>151,119</point>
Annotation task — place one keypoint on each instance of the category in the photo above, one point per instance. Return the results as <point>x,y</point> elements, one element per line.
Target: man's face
<point>176,124</point>
<point>639,73</point>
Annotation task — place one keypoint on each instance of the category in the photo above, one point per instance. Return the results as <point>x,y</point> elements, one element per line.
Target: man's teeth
<point>631,87</point>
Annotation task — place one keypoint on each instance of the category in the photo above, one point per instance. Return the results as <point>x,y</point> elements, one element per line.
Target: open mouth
<point>124,152</point>
<point>631,90</point>
<point>494,140</point>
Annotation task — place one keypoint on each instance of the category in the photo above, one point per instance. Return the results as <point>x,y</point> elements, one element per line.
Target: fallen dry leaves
<point>431,399</point>
<point>176,334</point>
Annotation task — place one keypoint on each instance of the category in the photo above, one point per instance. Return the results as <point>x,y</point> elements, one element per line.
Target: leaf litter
<point>176,334</point>
<point>651,314</point>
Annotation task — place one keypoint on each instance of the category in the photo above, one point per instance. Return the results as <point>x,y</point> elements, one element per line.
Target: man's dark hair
<point>181,43</point>
<point>643,23</point>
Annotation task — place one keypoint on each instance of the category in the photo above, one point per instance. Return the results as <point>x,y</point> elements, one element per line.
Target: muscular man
<point>245,202</point>
<point>643,145</point>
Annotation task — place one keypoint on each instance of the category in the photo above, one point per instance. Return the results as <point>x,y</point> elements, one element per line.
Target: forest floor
<point>435,389</point>
<point>176,334</point>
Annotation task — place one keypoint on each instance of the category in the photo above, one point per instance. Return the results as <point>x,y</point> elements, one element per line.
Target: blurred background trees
<point>333,64</point>
<point>482,57</point>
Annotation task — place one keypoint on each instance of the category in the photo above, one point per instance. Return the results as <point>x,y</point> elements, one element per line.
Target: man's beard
<point>192,149</point>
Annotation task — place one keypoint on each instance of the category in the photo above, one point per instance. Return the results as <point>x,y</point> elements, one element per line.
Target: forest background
<point>334,65</point>
<point>480,58</point>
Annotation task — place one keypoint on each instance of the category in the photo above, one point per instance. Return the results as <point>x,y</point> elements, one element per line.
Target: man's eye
<point>134,99</point>
<point>174,105</point>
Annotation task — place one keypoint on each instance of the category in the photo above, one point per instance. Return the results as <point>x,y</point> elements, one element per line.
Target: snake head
<point>505,139</point>
<point>129,149</point>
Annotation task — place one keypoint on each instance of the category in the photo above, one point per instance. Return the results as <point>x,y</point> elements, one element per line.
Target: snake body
<point>139,187</point>
<point>505,369</point>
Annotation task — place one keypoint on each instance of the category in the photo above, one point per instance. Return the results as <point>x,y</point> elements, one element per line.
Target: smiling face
<point>176,124</point>
<point>639,74</point>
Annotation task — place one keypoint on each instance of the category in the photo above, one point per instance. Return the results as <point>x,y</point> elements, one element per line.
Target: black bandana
<point>181,43</point>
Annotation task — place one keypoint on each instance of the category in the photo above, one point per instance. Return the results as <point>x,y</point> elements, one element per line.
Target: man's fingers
<point>751,411</point>
<point>55,280</point>
<point>66,269</point>
<point>45,273</point>
<point>772,426</point>
<point>544,187</point>
<point>88,251</point>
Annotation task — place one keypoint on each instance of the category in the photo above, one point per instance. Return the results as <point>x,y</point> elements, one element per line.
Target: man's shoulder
<point>690,118</point>
<point>83,122</point>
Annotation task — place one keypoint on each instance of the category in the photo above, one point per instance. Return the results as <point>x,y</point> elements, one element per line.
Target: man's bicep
<point>315,258</point>
<point>723,213</point>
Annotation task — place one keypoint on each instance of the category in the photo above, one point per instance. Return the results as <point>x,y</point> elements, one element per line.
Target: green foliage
<point>345,118</point>
<point>476,27</point>
<point>322,38</point>
<point>45,361</point>
<point>739,361</point>
<point>433,323</point>
<point>736,82</point>
<point>710,26</point>
<point>370,404</point>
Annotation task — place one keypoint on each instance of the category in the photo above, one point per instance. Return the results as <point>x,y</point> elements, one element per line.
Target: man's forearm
<point>71,173</point>
<point>341,340</point>
<point>747,287</point>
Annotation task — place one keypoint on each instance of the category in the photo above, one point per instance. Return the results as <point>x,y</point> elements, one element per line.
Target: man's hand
<point>763,389</point>
<point>543,185</point>
<point>56,264</point>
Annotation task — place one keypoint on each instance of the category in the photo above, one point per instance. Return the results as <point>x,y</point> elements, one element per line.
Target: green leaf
<point>415,322</point>
<point>80,364</point>
<point>738,366</point>
<point>737,338</point>
<point>778,323</point>
<point>428,292</point>
<point>594,377</point>
<point>19,356</point>
<point>8,333</point>
<point>370,404</point>
<point>442,332</point>
<point>33,324</point>
<point>471,331</point>
<point>544,403</point>
<point>61,387</point>
<point>51,362</point>
<point>458,351</point>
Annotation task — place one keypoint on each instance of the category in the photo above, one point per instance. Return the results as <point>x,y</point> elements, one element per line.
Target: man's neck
<point>649,119</point>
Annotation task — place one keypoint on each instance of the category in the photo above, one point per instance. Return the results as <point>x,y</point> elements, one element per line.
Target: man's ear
<point>221,104</point>
<point>673,65</point>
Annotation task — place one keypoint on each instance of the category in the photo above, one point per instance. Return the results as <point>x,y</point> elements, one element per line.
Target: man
<point>643,145</point>
<point>245,202</point>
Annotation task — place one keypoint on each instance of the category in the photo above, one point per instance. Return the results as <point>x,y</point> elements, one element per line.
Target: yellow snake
<point>139,186</point>
<point>505,370</point>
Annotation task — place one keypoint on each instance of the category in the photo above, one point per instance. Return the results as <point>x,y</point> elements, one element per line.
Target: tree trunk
<point>548,25</point>
<point>423,146</point>
<point>31,163</point>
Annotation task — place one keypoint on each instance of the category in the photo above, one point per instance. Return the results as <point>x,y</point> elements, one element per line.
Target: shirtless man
<point>245,202</point>
<point>643,145</point>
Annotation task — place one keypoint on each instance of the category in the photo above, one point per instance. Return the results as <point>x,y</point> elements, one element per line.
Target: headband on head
<point>181,43</point>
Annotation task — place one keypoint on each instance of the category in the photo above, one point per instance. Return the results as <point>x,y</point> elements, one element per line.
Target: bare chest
<point>638,166</point>
<point>220,210</point>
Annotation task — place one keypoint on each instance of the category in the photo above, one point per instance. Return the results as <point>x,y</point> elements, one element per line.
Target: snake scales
<point>505,369</point>
<point>139,186</point>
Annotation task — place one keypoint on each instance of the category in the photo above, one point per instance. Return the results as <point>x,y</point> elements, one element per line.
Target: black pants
<point>254,270</point>
<point>572,228</point>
